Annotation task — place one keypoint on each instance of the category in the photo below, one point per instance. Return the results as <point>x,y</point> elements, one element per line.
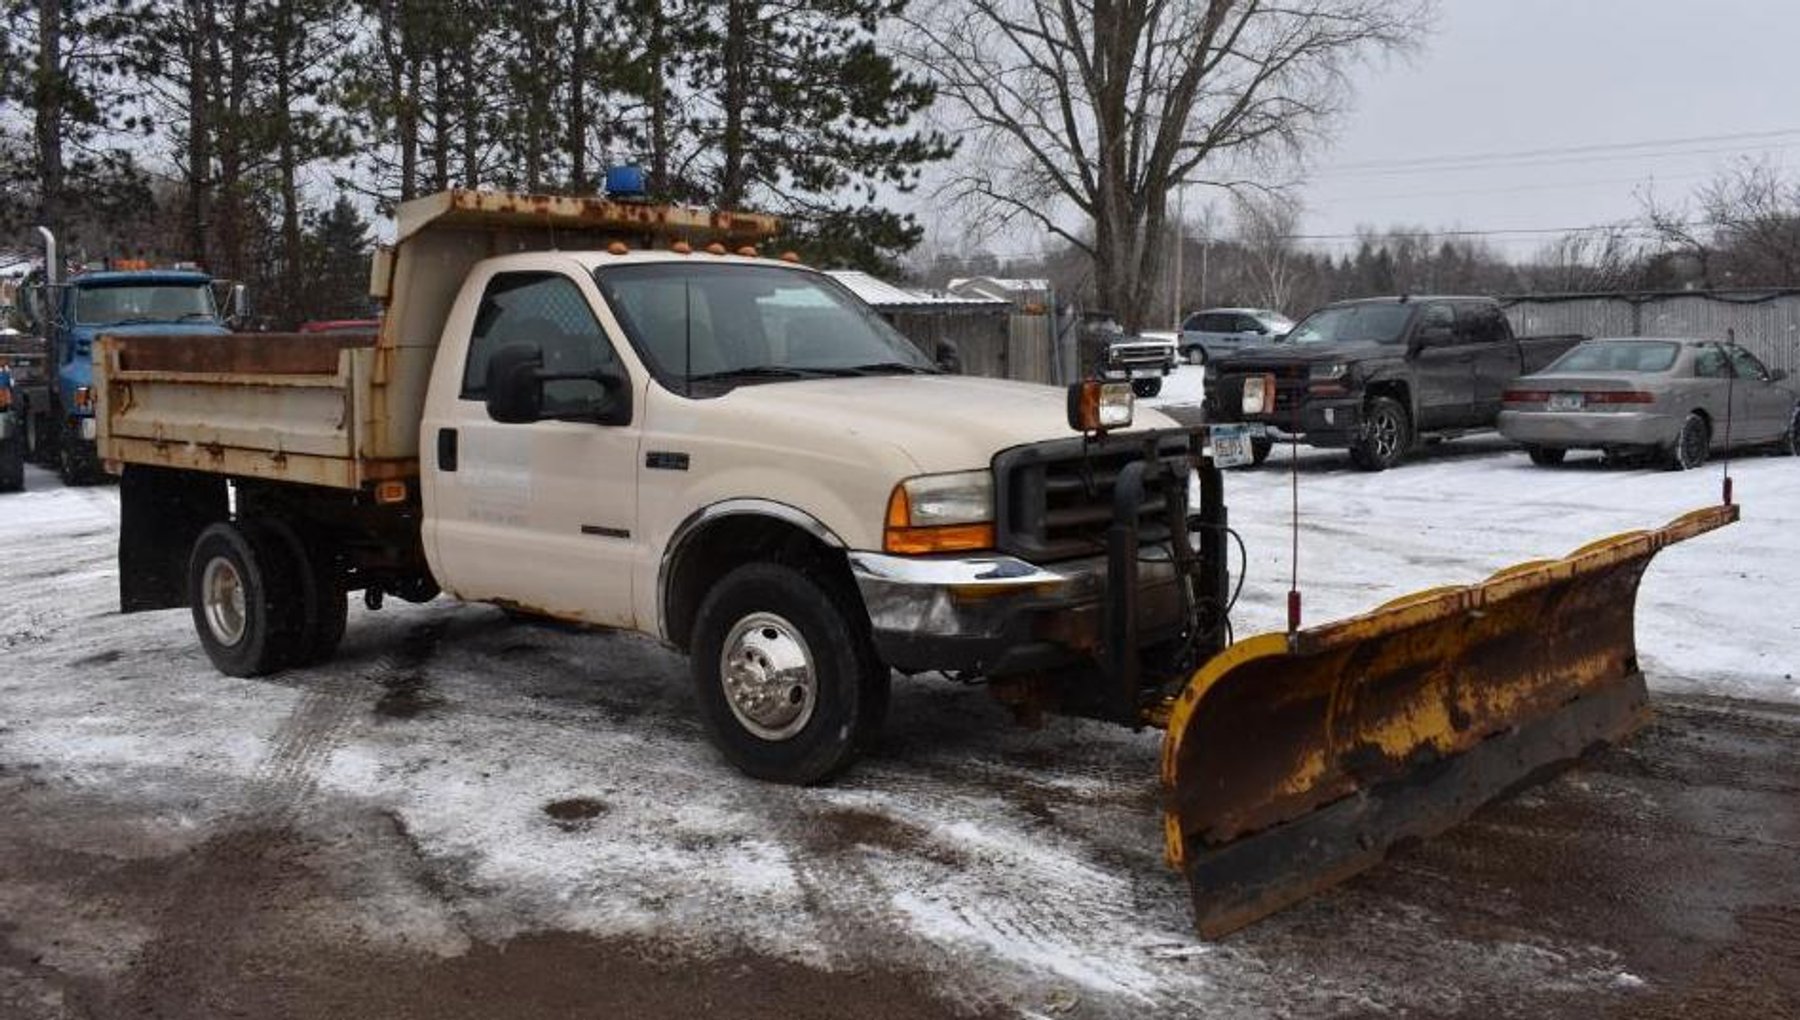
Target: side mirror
<point>948,357</point>
<point>515,391</point>
<point>237,310</point>
<point>1259,328</point>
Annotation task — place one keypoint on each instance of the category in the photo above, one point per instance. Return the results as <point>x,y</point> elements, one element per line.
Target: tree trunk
<point>287,30</point>
<point>578,113</point>
<point>732,177</point>
<point>48,124</point>
<point>199,131</point>
<point>656,40</point>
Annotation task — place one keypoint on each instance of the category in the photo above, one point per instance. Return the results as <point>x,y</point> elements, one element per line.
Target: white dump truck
<point>622,415</point>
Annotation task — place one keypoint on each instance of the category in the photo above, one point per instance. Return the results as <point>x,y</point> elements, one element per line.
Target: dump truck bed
<point>342,409</point>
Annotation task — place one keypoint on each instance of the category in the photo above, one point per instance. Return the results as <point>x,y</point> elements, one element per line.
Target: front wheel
<point>77,460</point>
<point>1546,456</point>
<point>1386,435</point>
<point>1146,387</point>
<point>789,685</point>
<point>1691,443</point>
<point>1260,449</point>
<point>1196,355</point>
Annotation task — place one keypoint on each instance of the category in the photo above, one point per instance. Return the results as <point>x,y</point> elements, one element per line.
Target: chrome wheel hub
<point>222,600</point>
<point>770,682</point>
<point>1387,435</point>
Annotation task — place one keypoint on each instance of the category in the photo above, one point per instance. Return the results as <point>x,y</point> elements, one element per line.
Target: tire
<point>324,607</point>
<point>1546,456</point>
<point>1386,435</point>
<point>245,599</point>
<point>1260,450</point>
<point>764,614</point>
<point>1146,387</point>
<point>12,461</point>
<point>1691,444</point>
<point>1792,443</point>
<point>1196,355</point>
<point>77,461</point>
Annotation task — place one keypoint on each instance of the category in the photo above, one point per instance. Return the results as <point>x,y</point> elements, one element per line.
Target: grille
<point>1225,394</point>
<point>1054,500</point>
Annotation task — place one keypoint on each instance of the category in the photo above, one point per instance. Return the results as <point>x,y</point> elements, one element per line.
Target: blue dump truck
<point>125,297</point>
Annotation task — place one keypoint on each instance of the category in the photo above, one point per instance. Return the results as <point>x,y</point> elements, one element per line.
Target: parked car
<point>1675,399</point>
<point>1217,331</point>
<point>1143,358</point>
<point>1378,375</point>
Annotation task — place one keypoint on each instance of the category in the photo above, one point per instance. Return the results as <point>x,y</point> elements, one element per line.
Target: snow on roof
<point>998,285</point>
<point>882,294</point>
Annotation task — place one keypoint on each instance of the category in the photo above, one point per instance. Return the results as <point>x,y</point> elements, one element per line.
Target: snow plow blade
<point>1293,762</point>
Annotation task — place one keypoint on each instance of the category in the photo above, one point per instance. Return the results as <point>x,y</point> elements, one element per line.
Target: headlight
<point>941,513</point>
<point>1259,395</point>
<point>1096,406</point>
<point>1334,370</point>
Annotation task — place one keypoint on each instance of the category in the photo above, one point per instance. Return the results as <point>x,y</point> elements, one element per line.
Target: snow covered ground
<point>1020,868</point>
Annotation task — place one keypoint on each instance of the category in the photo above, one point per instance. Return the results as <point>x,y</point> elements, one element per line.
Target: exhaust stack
<point>52,261</point>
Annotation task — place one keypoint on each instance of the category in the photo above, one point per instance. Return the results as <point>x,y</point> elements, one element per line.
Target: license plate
<point>1565,401</point>
<point>1146,373</point>
<point>1230,445</point>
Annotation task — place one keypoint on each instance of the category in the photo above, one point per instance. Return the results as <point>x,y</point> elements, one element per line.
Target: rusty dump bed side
<point>341,409</point>
<point>1293,762</point>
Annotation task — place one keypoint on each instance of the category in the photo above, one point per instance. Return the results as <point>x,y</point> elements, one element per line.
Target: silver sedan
<point>1676,399</point>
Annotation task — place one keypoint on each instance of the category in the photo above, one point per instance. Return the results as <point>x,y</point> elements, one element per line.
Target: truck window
<point>102,305</point>
<point>1380,323</point>
<point>548,310</point>
<point>1481,324</point>
<point>688,319</point>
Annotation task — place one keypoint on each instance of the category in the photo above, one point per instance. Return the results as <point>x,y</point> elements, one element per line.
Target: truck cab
<point>75,312</point>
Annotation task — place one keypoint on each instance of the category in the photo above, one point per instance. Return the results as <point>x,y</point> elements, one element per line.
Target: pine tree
<point>337,278</point>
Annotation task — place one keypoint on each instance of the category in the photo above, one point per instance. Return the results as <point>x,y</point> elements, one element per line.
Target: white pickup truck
<point>585,410</point>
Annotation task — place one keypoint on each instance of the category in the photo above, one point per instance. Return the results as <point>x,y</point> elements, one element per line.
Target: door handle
<point>446,450</point>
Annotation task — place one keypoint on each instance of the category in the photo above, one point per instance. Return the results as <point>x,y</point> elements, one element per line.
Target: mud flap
<point>1292,763</point>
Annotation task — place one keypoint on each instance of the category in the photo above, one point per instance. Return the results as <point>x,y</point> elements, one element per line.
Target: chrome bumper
<point>996,614</point>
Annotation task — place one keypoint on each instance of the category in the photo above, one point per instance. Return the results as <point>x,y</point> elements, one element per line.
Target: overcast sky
<point>1516,76</point>
<point>1668,91</point>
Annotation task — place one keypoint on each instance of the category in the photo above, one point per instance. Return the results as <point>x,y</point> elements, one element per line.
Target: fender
<point>739,507</point>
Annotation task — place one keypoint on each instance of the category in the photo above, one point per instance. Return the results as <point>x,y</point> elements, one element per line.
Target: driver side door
<point>539,514</point>
<point>1443,369</point>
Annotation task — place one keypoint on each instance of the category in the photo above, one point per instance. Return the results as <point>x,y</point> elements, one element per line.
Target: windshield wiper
<point>758,372</point>
<point>885,367</point>
<point>195,315</point>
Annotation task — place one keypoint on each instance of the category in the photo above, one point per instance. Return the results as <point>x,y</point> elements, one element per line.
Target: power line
<point>1529,164</point>
<point>1558,186</point>
<point>1570,149</point>
<point>1493,232</point>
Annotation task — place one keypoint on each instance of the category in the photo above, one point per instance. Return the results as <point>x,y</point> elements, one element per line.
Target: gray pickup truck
<point>1377,376</point>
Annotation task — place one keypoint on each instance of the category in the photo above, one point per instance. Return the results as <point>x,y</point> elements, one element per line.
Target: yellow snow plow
<point>1293,761</point>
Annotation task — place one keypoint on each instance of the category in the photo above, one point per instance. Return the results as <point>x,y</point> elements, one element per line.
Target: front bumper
<point>996,615</point>
<point>1324,421</point>
<point>1588,429</point>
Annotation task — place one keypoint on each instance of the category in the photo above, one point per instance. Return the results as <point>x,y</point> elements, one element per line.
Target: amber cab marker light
<point>748,251</point>
<point>681,248</point>
<point>391,492</point>
<point>790,256</point>
<point>715,248</point>
<point>617,248</point>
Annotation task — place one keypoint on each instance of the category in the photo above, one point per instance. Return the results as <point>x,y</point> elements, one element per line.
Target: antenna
<point>1730,399</point>
<point>687,331</point>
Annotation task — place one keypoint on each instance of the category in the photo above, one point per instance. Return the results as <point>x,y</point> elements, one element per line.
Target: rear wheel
<point>1691,443</point>
<point>1546,456</point>
<point>1793,434</point>
<point>789,685</point>
<point>324,607</point>
<point>1146,387</point>
<point>246,604</point>
<point>1386,435</point>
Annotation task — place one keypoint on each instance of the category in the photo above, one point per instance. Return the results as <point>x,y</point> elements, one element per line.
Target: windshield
<point>1348,324</point>
<point>163,302</point>
<point>705,322</point>
<point>1617,356</point>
